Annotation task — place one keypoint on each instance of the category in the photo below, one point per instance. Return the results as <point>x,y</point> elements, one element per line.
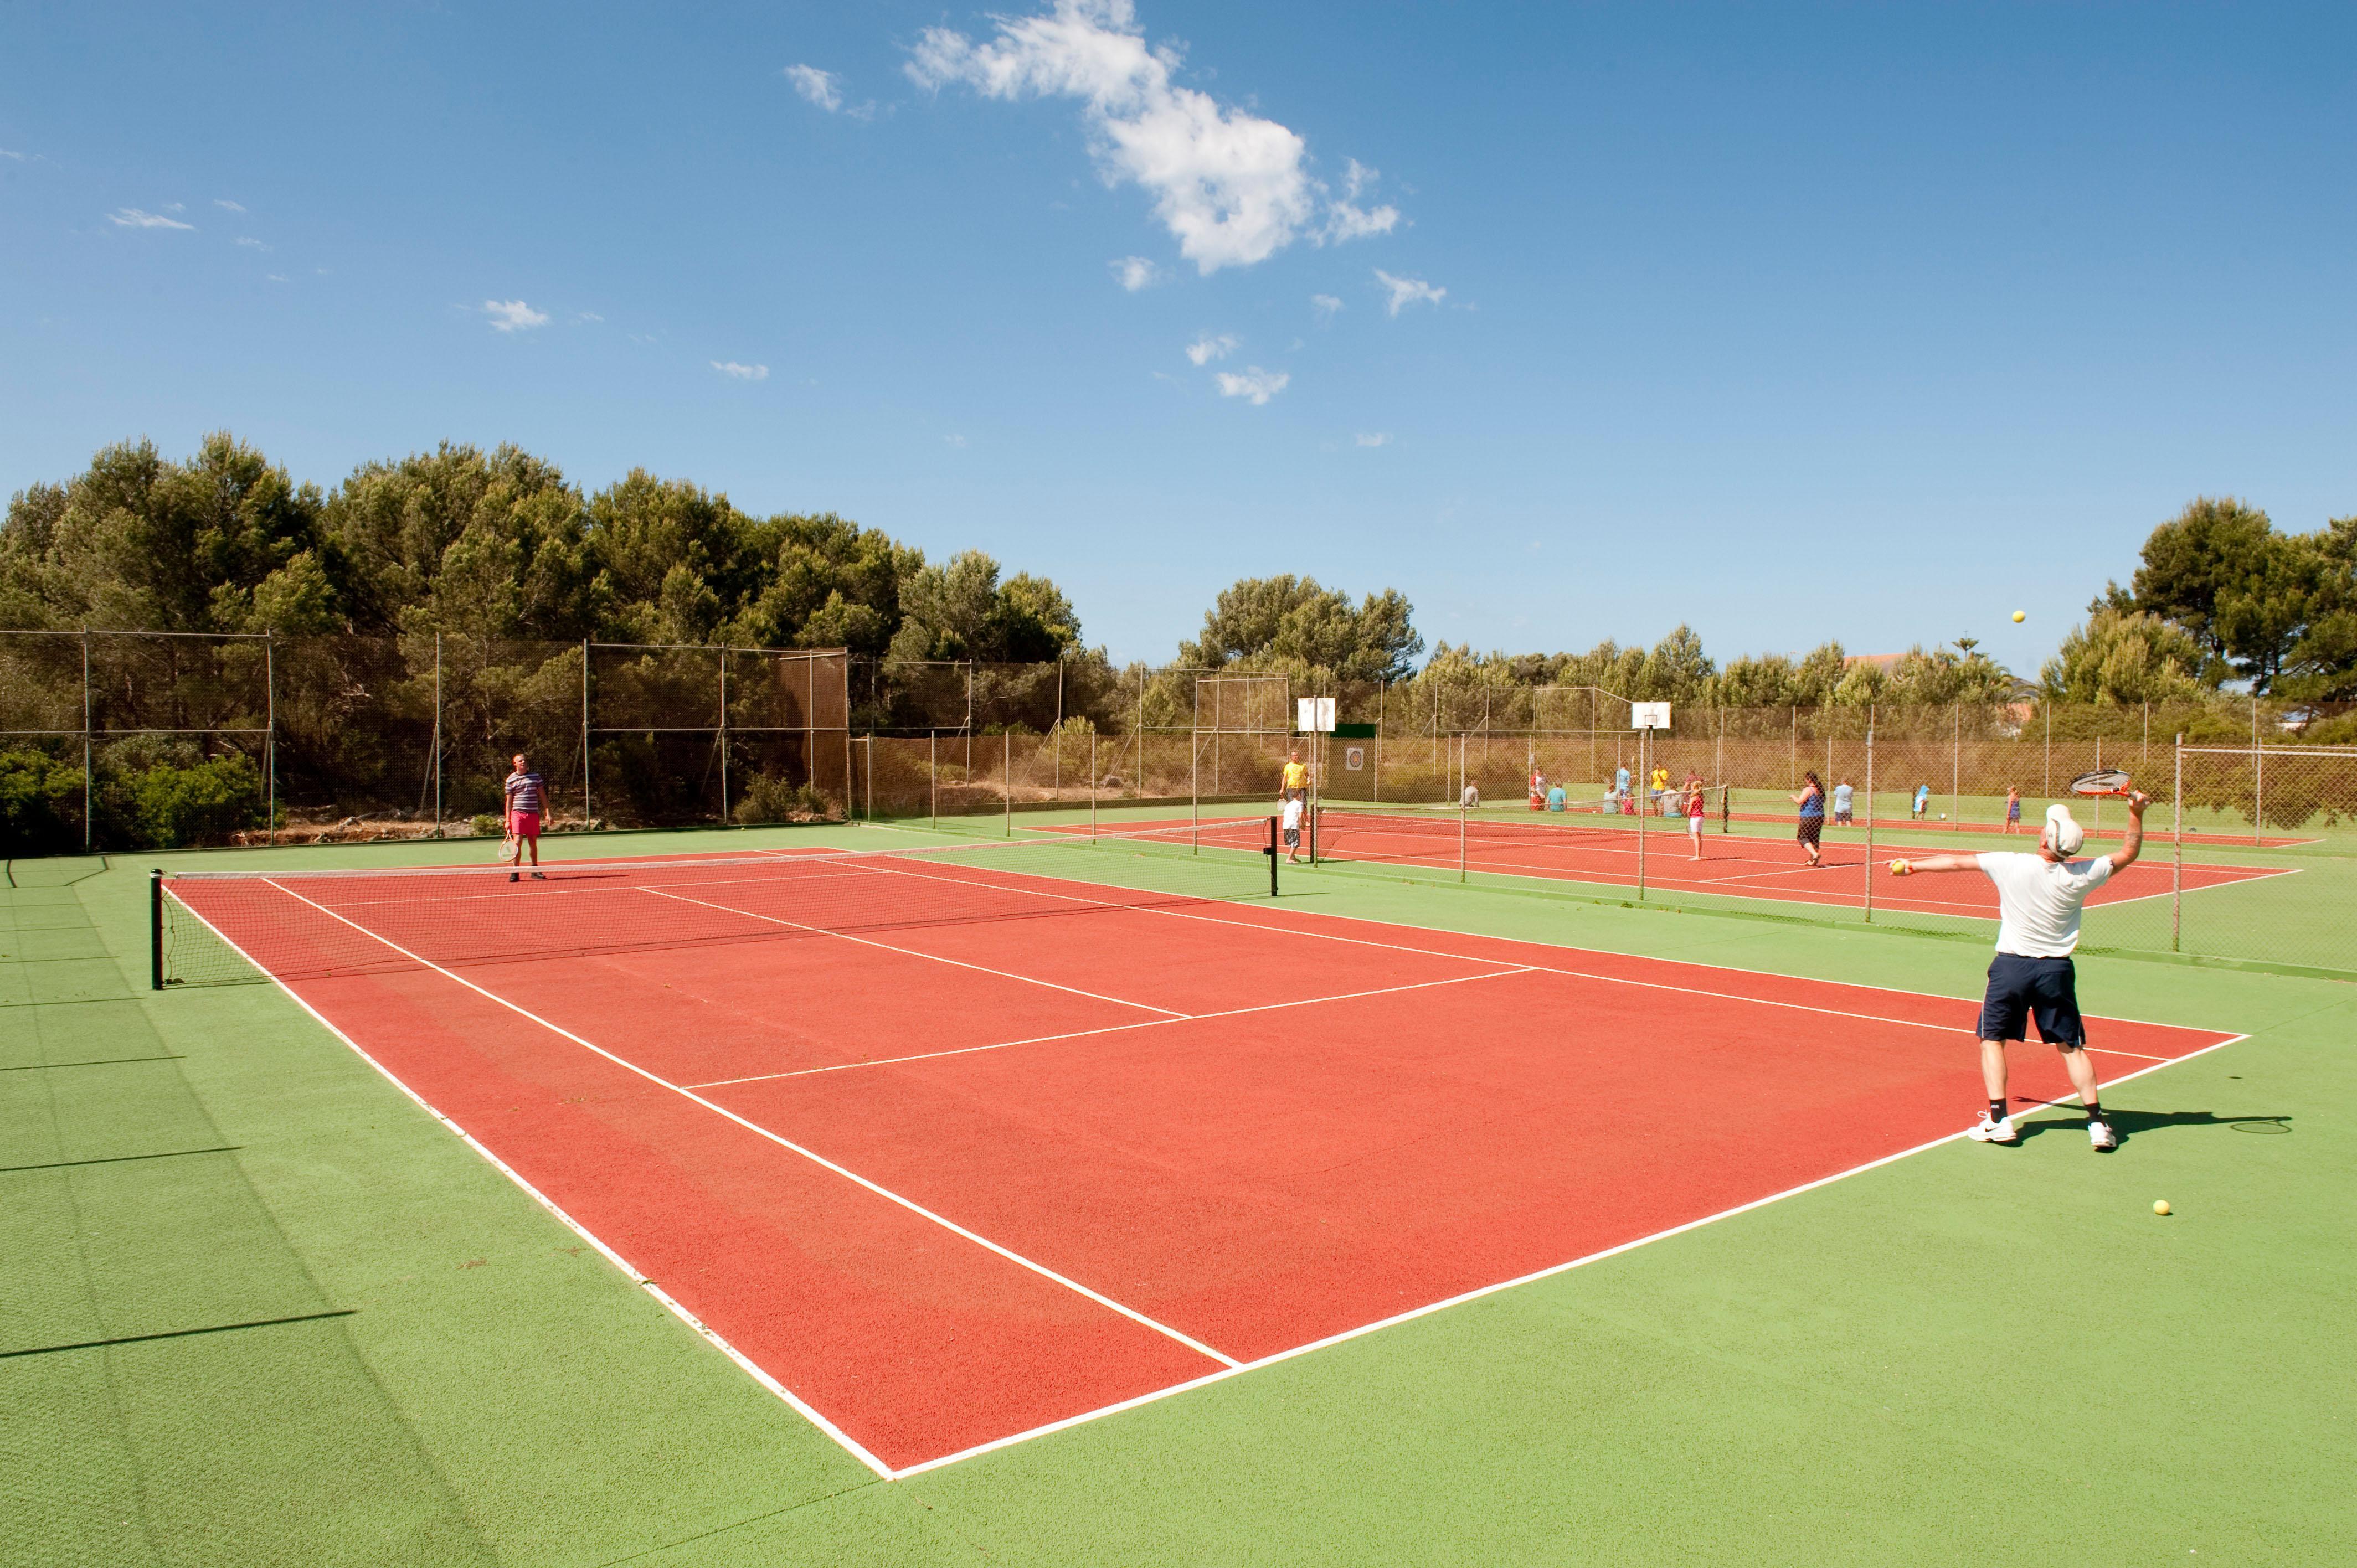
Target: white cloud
<point>1230,187</point>
<point>227,206</point>
<point>250,244</point>
<point>1325,304</point>
<point>275,277</point>
<point>587,316</point>
<point>1405,291</point>
<point>514,314</point>
<point>132,217</point>
<point>1206,349</point>
<point>816,86</point>
<point>16,157</point>
<point>741,372</point>
<point>176,207</point>
<point>1135,272</point>
<point>1382,439</point>
<point>956,441</point>
<point>1346,220</point>
<point>1255,385</point>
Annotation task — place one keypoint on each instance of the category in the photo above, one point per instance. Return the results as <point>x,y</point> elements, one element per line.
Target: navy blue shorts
<point>2020,989</point>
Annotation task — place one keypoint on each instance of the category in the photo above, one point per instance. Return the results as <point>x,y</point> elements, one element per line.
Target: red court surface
<point>1736,864</point>
<point>944,1182</point>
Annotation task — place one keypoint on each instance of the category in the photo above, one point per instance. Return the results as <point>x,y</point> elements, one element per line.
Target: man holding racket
<point>527,795</point>
<point>2040,898</point>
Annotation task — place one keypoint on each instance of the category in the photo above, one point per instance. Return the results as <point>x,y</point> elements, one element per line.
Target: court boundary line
<point>788,1144</point>
<point>1278,1356</point>
<point>628,1270</point>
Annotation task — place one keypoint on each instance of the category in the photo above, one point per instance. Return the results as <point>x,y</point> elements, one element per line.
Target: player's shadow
<point>2131,1123</point>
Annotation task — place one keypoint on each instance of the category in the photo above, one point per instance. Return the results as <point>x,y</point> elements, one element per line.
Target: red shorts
<point>524,824</point>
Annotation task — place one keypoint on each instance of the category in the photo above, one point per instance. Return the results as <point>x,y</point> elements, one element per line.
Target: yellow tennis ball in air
<point>1900,868</point>
<point>2020,615</point>
<point>2161,1206</point>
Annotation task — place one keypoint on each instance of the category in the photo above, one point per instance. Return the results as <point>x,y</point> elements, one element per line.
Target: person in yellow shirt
<point>1660,785</point>
<point>1296,779</point>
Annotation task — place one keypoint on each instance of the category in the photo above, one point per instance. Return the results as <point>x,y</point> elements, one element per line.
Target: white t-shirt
<point>1293,815</point>
<point>2038,901</point>
<point>1841,797</point>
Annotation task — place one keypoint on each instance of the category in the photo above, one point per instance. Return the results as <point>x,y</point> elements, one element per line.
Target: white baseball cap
<point>2062,832</point>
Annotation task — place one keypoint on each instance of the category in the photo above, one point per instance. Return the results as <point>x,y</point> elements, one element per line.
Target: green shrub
<point>175,807</point>
<point>37,791</point>
<point>769,799</point>
<point>488,825</point>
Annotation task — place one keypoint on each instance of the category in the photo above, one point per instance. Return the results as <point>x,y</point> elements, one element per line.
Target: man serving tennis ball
<point>2039,897</point>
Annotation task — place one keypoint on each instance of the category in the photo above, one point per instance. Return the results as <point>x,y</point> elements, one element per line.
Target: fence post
<point>1955,770</point>
<point>2046,785</point>
<point>1006,776</point>
<point>1644,738</point>
<point>933,781</point>
<point>2176,855</point>
<point>1870,814</point>
<point>88,794</point>
<point>2258,779</point>
<point>589,803</point>
<point>1461,812</point>
<point>437,735</point>
<point>269,723</point>
<point>1381,688</point>
<point>1092,781</point>
<point>810,763</point>
<point>1793,768</point>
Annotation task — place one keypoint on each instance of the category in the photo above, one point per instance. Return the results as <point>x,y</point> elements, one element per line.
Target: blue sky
<point>1569,321</point>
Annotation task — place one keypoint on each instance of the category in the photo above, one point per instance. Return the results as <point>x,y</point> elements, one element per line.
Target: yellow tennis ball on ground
<point>2020,615</point>
<point>2161,1206</point>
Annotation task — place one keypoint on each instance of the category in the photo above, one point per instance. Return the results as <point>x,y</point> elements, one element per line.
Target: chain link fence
<point>111,740</point>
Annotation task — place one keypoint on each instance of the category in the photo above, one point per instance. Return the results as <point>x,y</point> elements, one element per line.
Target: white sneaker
<point>1998,1132</point>
<point>2100,1133</point>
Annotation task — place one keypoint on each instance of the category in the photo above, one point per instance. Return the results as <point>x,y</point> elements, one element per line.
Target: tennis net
<point>217,927</point>
<point>1440,836</point>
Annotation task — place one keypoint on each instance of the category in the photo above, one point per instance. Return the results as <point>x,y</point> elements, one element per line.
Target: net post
<point>2177,856</point>
<point>154,930</point>
<point>1273,837</point>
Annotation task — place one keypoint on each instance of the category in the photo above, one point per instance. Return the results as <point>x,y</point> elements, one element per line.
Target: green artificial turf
<point>1970,1354</point>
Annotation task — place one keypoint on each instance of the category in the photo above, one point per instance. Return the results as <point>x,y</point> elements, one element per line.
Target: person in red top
<point>527,800</point>
<point>1693,789</point>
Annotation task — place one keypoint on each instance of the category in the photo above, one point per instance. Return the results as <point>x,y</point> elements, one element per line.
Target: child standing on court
<point>1291,823</point>
<point>2012,807</point>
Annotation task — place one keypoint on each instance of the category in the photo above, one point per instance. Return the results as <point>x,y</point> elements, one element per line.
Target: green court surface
<point>261,1308</point>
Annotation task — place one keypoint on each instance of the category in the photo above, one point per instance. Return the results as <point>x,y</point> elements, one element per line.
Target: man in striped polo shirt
<point>527,799</point>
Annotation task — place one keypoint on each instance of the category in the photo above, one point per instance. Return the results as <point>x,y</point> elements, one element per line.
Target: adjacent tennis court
<point>951,1145</point>
<point>1604,849</point>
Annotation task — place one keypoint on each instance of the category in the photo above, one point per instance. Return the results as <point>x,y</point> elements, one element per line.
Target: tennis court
<point>1604,849</point>
<point>953,1145</point>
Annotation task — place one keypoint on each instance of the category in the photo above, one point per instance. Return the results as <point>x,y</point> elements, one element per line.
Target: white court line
<point>1114,1028</point>
<point>672,1304</point>
<point>916,952</point>
<point>782,1142</point>
<point>1475,1295</point>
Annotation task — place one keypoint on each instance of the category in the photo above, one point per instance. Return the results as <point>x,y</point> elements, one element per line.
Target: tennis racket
<point>509,849</point>
<point>2102,782</point>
